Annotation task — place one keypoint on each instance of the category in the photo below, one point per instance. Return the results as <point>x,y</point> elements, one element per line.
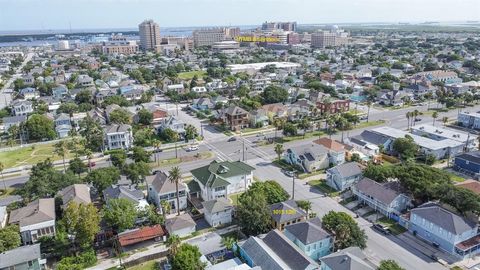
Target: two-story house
<point>220,179</point>
<point>310,157</point>
<point>218,212</point>
<point>311,238</point>
<point>63,125</point>
<point>26,257</point>
<point>448,231</point>
<point>171,122</point>
<point>35,220</point>
<point>160,188</point>
<point>235,118</point>
<point>22,107</point>
<point>286,213</point>
<point>336,150</point>
<point>351,258</point>
<point>118,137</point>
<point>382,197</point>
<point>131,194</point>
<point>343,176</point>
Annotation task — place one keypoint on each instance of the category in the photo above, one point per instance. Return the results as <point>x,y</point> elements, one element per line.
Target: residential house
<point>351,258</point>
<point>199,89</point>
<point>286,213</point>
<point>160,188</point>
<point>344,176</point>
<point>10,121</point>
<point>63,125</point>
<point>258,118</point>
<point>333,106</point>
<point>220,179</point>
<point>138,235</point>
<point>336,150</point>
<point>118,137</point>
<point>218,212</point>
<point>182,225</point>
<point>448,231</point>
<point>26,257</point>
<point>60,92</point>
<point>29,93</point>
<point>311,238</point>
<point>35,220</point>
<point>276,110</point>
<point>78,193</point>
<point>310,157</point>
<point>22,107</point>
<point>274,251</point>
<point>469,119</point>
<point>177,88</point>
<point>235,118</point>
<point>468,163</point>
<point>203,104</point>
<point>124,192</point>
<point>385,198</point>
<point>173,123</point>
<point>84,81</point>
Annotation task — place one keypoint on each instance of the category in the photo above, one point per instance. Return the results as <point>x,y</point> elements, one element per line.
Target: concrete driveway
<point>362,211</point>
<point>374,217</point>
<point>352,205</point>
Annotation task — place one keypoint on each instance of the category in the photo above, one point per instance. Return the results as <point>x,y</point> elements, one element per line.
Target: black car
<point>381,228</point>
<point>232,139</point>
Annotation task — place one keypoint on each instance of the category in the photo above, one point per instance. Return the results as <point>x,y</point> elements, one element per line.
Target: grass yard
<point>323,187</point>
<point>29,155</point>
<point>300,137</point>
<point>150,265</point>
<point>394,228</point>
<point>369,124</point>
<point>190,74</point>
<point>7,192</point>
<point>455,177</point>
<point>306,175</point>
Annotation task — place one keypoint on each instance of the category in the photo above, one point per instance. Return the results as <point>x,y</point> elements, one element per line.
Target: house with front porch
<point>384,198</point>
<point>344,176</point>
<point>451,232</point>
<point>310,157</point>
<point>160,188</point>
<point>220,179</point>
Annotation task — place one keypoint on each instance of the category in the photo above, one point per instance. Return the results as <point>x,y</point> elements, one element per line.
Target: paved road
<point>6,98</point>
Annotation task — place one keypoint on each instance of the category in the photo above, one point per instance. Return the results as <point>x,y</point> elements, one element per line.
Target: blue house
<point>63,125</point>
<point>468,163</point>
<point>59,92</point>
<point>203,104</point>
<point>311,238</point>
<point>450,232</point>
<point>343,176</point>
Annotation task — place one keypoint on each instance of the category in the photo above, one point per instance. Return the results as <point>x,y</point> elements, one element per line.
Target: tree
<point>355,157</point>
<point>82,221</point>
<point>279,150</point>
<point>169,135</point>
<point>9,238</point>
<point>92,131</point>
<point>120,214</point>
<point>228,242</point>
<point>271,190</point>
<point>445,120</point>
<point>145,117</point>
<point>274,94</point>
<point>103,177</point>
<point>434,116</point>
<point>119,116</point>
<point>346,230</point>
<point>289,129</point>
<point>369,104</point>
<point>278,123</point>
<point>40,127</point>
<point>187,258</point>
<point>61,149</point>
<point>77,166</point>
<point>405,147</point>
<point>305,205</point>
<point>118,157</point>
<point>84,96</point>
<point>253,213</point>
<point>140,154</point>
<point>389,265</point>
<point>173,242</point>
<point>304,125</point>
<point>190,132</point>
<point>174,175</point>
<point>136,172</point>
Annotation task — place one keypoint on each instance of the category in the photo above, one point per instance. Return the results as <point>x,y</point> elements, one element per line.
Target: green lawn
<point>306,175</point>
<point>300,137</point>
<point>29,155</point>
<point>150,265</point>
<point>455,177</point>
<point>394,228</point>
<point>323,187</point>
<point>189,74</point>
<point>370,124</point>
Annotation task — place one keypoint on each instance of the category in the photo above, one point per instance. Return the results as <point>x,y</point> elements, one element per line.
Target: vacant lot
<point>29,155</point>
<point>189,74</point>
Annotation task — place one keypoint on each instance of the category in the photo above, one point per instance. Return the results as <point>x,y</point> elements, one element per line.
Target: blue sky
<point>89,14</point>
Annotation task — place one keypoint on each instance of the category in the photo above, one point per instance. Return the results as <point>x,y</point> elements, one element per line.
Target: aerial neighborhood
<point>279,146</point>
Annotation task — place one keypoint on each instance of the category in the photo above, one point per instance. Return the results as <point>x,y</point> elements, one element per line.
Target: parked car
<point>288,173</point>
<point>381,228</point>
<point>91,164</point>
<point>232,139</point>
<point>192,148</point>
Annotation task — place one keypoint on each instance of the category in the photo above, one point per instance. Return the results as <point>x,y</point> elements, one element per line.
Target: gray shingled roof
<point>117,128</point>
<point>380,192</point>
<point>309,231</point>
<point>287,210</point>
<point>351,258</point>
<point>443,218</point>
<point>19,255</point>
<point>40,210</point>
<point>179,222</point>
<point>217,205</point>
<point>161,184</point>
<point>117,192</point>
<point>347,169</point>
<point>79,193</point>
<point>372,137</point>
<point>261,255</point>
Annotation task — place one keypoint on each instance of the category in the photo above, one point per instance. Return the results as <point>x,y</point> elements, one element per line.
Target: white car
<point>192,148</point>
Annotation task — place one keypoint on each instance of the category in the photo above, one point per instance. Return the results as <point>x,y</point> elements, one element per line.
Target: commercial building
<point>208,37</point>
<point>255,67</point>
<point>119,45</point>
<point>332,38</point>
<point>226,45</point>
<point>286,26</point>
<point>469,120</point>
<point>439,133</point>
<point>149,32</point>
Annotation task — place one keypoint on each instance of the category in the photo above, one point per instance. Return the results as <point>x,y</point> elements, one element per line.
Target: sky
<point>18,15</point>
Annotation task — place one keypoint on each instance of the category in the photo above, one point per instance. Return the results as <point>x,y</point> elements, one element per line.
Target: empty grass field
<point>190,74</point>
<point>29,155</point>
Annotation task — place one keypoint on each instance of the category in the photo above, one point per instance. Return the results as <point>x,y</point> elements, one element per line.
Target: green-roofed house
<point>220,179</point>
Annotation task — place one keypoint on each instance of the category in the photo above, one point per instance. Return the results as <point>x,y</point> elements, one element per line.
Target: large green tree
<point>40,127</point>
<point>103,177</point>
<point>274,94</point>
<point>82,221</point>
<point>137,171</point>
<point>271,190</point>
<point>346,230</point>
<point>187,258</point>
<point>140,154</point>
<point>389,265</point>
<point>145,117</point>
<point>405,147</point>
<point>9,238</point>
<point>120,214</point>
<point>253,213</point>
<point>119,116</point>
<point>92,131</point>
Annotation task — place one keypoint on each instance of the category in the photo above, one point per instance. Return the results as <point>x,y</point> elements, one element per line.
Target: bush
<point>82,261</point>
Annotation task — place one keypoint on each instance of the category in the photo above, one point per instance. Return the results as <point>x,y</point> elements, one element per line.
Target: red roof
<point>330,144</point>
<point>139,235</point>
<point>469,243</point>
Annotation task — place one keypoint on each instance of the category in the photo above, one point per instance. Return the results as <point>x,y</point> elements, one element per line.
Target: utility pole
<point>293,185</point>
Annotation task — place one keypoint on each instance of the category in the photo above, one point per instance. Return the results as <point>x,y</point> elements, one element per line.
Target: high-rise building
<point>333,38</point>
<point>149,35</point>
<point>293,38</point>
<point>207,37</point>
<point>63,45</point>
<point>285,26</point>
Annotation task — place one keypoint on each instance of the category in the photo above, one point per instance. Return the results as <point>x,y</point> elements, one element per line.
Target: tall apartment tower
<point>149,35</point>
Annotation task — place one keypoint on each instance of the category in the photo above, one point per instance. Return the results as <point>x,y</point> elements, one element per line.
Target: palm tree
<point>279,150</point>
<point>175,138</point>
<point>331,125</point>
<point>445,120</point>
<point>89,155</point>
<point>278,123</point>
<point>174,175</point>
<point>61,149</point>
<point>434,116</point>
<point>408,114</point>
<point>166,208</point>
<point>304,125</point>
<point>305,205</point>
<point>228,242</point>
<point>369,104</point>
<point>342,125</point>
<point>173,242</point>
<point>157,144</point>
<point>3,180</point>
<point>415,114</point>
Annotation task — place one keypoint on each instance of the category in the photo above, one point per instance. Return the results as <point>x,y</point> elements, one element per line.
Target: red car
<point>91,164</point>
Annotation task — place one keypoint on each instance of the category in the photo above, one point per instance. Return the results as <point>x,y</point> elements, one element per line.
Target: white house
<point>218,212</point>
<point>118,137</point>
<point>182,225</point>
<point>220,179</point>
<point>160,188</point>
<point>22,107</point>
<point>35,220</point>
